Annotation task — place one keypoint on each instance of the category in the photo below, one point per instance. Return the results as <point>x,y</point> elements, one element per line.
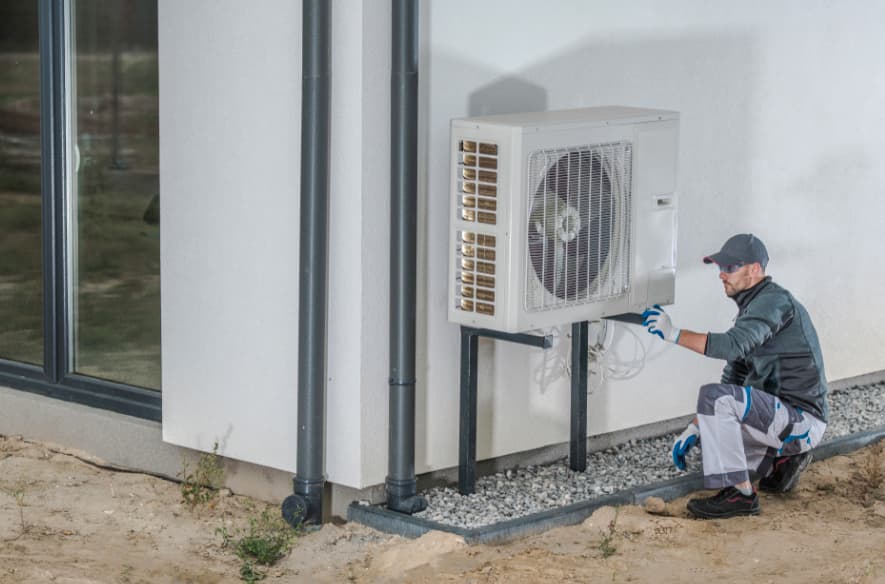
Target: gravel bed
<point>523,491</point>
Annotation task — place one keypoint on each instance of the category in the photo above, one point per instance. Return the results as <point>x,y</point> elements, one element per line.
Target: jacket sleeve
<point>735,373</point>
<point>761,320</point>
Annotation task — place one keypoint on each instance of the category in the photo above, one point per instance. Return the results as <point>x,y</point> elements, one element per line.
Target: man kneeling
<point>770,408</point>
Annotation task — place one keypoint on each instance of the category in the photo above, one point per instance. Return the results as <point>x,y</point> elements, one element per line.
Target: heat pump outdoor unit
<point>561,217</point>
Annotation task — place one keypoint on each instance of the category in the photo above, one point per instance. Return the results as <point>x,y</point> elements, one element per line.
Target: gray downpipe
<point>306,504</point>
<point>401,484</point>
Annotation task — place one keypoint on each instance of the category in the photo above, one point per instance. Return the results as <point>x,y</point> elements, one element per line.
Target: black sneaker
<point>729,502</point>
<point>785,473</point>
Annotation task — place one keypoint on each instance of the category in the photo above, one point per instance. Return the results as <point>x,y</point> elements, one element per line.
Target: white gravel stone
<point>523,491</point>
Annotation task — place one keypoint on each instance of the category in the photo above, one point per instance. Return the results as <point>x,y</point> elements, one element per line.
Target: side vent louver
<point>478,183</point>
<point>475,281</point>
<point>477,195</point>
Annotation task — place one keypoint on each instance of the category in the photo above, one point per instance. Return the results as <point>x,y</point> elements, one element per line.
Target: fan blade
<point>560,267</point>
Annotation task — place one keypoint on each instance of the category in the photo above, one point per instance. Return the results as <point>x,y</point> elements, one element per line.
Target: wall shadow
<point>507,95</point>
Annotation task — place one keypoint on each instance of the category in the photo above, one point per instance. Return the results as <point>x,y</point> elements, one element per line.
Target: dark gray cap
<point>743,248</point>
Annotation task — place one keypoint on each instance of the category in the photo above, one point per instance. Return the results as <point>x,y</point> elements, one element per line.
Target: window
<point>21,271</point>
<point>79,202</point>
<point>115,260</point>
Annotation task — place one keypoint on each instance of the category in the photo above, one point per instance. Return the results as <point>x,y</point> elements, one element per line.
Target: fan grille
<point>475,281</point>
<point>578,244</point>
<point>478,182</point>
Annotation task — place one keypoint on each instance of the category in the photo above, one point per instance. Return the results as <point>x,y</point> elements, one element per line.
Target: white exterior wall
<point>781,131</point>
<point>230,116</point>
<point>230,103</point>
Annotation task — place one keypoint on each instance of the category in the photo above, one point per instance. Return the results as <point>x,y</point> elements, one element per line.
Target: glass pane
<point>115,200</point>
<point>21,278</point>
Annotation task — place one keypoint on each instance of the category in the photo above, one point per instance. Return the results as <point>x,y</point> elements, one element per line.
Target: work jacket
<point>773,347</point>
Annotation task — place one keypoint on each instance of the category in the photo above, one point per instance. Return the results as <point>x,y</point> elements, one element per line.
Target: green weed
<point>201,485</point>
<point>249,573</point>
<point>19,495</point>
<point>267,539</point>
<point>606,545</point>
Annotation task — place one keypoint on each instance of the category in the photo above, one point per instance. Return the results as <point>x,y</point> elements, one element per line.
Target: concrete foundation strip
<point>382,519</point>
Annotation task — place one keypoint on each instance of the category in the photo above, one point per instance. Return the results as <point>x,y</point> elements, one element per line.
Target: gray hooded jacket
<point>773,347</point>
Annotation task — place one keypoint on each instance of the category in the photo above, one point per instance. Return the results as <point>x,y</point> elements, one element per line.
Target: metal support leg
<point>467,440</point>
<point>578,440</point>
<point>469,372</point>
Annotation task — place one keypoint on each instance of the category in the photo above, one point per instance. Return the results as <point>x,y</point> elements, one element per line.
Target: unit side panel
<point>656,203</point>
<point>515,230</point>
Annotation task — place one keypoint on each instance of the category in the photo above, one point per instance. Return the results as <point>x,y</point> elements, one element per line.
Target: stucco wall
<point>781,130</point>
<point>781,133</point>
<point>230,101</point>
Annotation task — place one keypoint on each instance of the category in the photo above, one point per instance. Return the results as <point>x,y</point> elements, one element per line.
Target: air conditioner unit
<point>562,216</point>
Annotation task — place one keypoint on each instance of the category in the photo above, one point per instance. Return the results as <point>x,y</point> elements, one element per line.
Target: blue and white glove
<point>689,438</point>
<point>658,323</point>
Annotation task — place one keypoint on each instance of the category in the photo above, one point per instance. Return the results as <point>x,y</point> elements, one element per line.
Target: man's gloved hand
<point>658,323</point>
<point>690,437</point>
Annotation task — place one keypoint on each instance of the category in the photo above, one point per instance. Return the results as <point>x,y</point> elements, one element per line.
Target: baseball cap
<point>743,248</point>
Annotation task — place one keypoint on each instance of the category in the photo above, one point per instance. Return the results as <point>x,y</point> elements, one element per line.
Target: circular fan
<point>570,224</point>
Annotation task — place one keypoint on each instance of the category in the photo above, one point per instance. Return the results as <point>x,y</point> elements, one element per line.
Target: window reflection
<point>115,203</point>
<point>21,279</point>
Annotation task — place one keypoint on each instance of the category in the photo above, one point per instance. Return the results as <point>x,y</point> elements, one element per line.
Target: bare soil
<point>65,519</point>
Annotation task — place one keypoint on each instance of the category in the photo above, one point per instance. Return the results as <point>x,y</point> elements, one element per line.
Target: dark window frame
<point>55,378</point>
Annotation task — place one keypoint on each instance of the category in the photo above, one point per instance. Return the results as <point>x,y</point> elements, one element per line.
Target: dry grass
<point>871,472</point>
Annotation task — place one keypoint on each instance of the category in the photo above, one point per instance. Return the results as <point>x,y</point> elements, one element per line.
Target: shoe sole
<point>725,515</point>
<point>791,484</point>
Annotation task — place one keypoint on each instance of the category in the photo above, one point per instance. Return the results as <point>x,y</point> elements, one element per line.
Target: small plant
<point>264,543</point>
<point>605,544</point>
<point>201,485</point>
<point>126,573</point>
<point>19,495</point>
<point>248,573</point>
<point>20,501</point>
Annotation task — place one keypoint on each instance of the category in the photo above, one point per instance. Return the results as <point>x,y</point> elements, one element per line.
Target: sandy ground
<point>65,520</point>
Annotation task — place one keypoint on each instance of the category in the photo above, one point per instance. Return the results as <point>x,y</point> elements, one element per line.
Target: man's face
<point>740,279</point>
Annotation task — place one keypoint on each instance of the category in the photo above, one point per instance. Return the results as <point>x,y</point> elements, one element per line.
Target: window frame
<point>56,378</point>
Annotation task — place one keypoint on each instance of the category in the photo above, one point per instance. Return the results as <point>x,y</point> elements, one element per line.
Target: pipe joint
<point>402,497</point>
<point>410,382</point>
<point>306,505</point>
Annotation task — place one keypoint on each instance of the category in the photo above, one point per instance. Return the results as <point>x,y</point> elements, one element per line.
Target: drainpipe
<point>401,483</point>
<point>306,504</point>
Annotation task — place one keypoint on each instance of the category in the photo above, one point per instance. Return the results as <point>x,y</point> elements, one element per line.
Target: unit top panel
<point>604,115</point>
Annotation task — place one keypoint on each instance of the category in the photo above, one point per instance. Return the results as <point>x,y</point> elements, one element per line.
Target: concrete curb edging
<point>380,518</point>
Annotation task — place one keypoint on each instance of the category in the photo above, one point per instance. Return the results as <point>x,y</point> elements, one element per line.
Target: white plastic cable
<point>603,363</point>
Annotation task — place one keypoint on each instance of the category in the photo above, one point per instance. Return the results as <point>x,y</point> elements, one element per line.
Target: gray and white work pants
<point>743,428</point>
